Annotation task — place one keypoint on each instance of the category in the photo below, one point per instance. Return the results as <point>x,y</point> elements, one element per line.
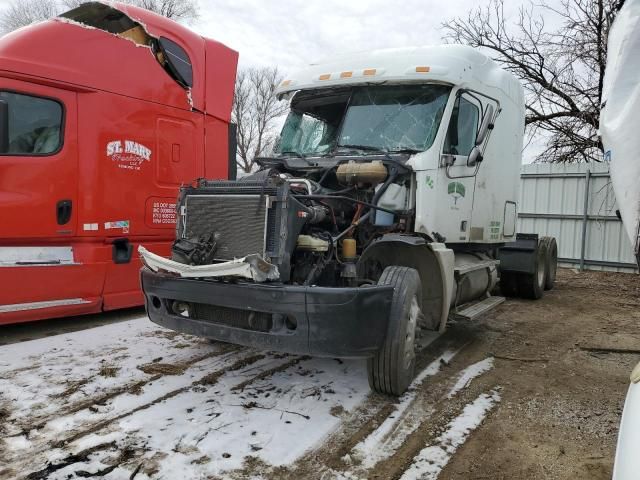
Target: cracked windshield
<point>387,118</point>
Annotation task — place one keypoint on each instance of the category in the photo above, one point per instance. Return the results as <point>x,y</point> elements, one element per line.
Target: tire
<point>391,370</point>
<point>509,284</point>
<point>551,265</point>
<point>532,285</point>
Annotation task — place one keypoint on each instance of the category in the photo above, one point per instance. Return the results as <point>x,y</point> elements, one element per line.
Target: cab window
<point>463,128</point>
<point>34,125</point>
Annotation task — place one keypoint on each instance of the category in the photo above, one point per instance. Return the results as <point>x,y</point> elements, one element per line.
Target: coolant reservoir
<point>371,173</point>
<point>312,244</point>
<point>394,198</point>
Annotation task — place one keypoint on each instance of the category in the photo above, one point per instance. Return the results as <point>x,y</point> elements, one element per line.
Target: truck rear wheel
<point>509,284</point>
<point>552,261</point>
<point>531,285</point>
<point>391,369</point>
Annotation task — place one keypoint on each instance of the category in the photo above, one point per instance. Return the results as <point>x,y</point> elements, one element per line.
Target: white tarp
<point>620,116</point>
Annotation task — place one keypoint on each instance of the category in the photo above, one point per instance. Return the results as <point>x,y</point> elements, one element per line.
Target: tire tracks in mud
<point>206,380</point>
<point>40,422</point>
<point>359,424</point>
<point>269,373</point>
<point>432,410</point>
<point>445,410</point>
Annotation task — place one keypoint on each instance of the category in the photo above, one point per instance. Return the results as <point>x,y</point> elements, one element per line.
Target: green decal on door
<point>456,190</point>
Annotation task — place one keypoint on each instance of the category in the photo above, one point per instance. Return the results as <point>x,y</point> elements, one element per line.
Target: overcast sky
<point>292,33</point>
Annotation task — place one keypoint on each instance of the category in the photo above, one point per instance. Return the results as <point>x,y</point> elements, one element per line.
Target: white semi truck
<point>388,207</point>
<point>619,126</point>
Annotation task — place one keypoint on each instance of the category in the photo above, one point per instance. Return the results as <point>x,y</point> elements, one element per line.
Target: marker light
<point>325,76</point>
<point>346,74</point>
<point>423,69</point>
<point>369,72</point>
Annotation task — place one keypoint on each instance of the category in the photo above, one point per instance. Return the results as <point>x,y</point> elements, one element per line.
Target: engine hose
<point>351,227</point>
<point>325,174</point>
<point>348,199</point>
<point>390,179</point>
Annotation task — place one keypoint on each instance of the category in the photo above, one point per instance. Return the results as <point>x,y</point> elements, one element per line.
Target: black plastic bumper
<point>336,322</point>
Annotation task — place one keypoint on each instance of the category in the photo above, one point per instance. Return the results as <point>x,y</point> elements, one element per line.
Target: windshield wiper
<point>406,150</point>
<point>366,148</point>
<point>299,155</point>
<point>295,154</point>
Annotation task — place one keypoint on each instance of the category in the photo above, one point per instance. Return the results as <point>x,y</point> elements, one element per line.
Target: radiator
<point>240,220</point>
<point>249,217</point>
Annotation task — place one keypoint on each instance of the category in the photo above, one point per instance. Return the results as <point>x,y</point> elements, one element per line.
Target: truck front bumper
<point>321,321</point>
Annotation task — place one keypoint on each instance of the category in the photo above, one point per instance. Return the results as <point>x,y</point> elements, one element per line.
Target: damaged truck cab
<point>104,112</point>
<point>387,209</point>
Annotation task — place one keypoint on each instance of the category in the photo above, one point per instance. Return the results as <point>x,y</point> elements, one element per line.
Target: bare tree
<point>561,68</point>
<point>20,13</point>
<point>179,10</point>
<point>255,111</point>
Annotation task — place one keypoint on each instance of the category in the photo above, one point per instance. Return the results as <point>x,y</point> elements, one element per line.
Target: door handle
<point>63,211</point>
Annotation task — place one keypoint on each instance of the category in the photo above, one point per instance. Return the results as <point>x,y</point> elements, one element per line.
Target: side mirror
<point>4,126</point>
<point>485,126</point>
<point>475,157</point>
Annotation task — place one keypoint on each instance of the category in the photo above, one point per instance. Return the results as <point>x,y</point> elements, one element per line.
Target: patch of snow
<point>469,373</point>
<point>176,422</point>
<point>430,461</point>
<point>391,434</point>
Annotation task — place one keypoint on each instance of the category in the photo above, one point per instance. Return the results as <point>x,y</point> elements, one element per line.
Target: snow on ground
<point>133,396</point>
<point>391,434</point>
<point>469,373</point>
<point>428,464</point>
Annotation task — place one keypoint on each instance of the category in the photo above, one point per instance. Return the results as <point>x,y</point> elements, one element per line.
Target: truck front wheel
<point>391,369</point>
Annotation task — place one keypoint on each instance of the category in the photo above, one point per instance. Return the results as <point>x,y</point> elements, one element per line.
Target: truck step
<point>470,267</point>
<point>479,308</point>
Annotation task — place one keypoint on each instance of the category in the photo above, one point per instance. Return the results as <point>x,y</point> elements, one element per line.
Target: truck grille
<point>232,317</point>
<point>240,220</point>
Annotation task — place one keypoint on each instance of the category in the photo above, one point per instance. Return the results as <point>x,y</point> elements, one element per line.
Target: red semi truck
<point>104,112</point>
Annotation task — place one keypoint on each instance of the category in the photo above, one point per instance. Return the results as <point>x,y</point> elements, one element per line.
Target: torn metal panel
<point>252,267</point>
<point>171,56</point>
<point>107,18</point>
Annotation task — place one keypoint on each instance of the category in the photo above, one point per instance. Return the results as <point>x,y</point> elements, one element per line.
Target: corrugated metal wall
<point>552,202</point>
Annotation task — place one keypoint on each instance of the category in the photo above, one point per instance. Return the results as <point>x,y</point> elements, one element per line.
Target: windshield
<point>389,118</point>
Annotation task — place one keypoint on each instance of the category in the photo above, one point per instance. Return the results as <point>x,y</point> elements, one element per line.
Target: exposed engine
<point>311,224</point>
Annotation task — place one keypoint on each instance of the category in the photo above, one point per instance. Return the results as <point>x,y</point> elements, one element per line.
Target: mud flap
<point>519,256</point>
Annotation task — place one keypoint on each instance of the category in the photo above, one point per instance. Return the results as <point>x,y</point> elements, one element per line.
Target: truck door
<point>38,162</point>
<point>460,177</point>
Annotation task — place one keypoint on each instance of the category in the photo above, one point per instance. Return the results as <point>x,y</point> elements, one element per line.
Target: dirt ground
<point>561,405</point>
<point>558,419</point>
<point>552,389</point>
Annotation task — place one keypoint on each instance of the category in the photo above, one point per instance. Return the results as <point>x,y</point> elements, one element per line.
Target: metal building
<point>576,204</point>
